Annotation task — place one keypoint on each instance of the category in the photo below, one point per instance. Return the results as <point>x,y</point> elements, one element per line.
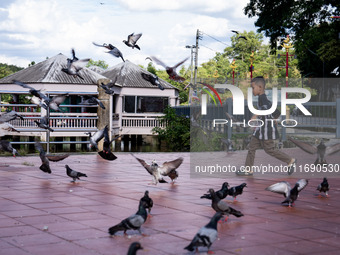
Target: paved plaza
<point>47,214</point>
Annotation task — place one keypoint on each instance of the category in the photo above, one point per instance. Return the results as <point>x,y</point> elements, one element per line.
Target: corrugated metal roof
<point>49,71</point>
<point>131,76</point>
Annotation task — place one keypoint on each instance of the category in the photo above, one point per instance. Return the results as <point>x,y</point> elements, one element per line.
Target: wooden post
<point>103,114</point>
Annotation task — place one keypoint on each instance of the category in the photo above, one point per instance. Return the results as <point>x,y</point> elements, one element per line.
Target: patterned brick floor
<point>47,214</point>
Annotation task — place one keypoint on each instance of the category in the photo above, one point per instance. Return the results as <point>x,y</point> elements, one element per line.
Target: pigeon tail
<point>235,212</point>
<point>116,228</point>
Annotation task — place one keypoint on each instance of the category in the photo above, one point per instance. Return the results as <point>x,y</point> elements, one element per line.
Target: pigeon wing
<point>332,149</point>
<point>99,45</point>
<point>158,62</point>
<point>304,146</point>
<point>167,167</point>
<point>59,99</point>
<point>180,63</point>
<point>222,206</point>
<point>22,84</point>
<point>56,158</point>
<point>79,64</point>
<point>133,38</point>
<point>280,188</point>
<point>146,165</point>
<point>302,184</point>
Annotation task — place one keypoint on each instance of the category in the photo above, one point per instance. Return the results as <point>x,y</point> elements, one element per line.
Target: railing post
<point>337,118</point>
<point>230,111</point>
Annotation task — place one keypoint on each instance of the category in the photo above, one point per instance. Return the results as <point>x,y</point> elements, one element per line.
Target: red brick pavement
<point>47,214</point>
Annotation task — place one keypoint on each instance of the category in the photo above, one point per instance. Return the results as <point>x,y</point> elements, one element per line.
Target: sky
<point>32,30</point>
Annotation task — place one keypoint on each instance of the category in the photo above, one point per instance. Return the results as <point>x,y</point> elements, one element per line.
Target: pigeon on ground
<point>134,222</point>
<point>45,166</point>
<point>74,65</point>
<point>8,116</point>
<point>44,123</point>
<point>206,235</point>
<point>132,40</point>
<point>56,158</point>
<point>134,247</point>
<point>95,138</point>
<point>113,50</point>
<point>222,193</point>
<point>74,174</point>
<point>237,190</point>
<point>291,194</point>
<point>229,144</point>
<point>33,91</point>
<point>56,101</point>
<point>171,71</point>
<point>148,202</point>
<point>167,169</point>
<point>90,100</point>
<point>321,150</point>
<point>7,146</point>
<point>153,79</point>
<point>323,187</point>
<point>220,206</point>
<point>106,153</point>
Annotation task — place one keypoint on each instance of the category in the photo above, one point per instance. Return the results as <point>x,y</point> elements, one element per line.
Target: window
<point>143,104</point>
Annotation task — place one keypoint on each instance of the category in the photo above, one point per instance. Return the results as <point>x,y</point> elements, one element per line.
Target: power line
<point>215,39</point>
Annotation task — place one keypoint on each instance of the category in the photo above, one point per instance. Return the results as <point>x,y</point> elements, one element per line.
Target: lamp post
<point>233,66</point>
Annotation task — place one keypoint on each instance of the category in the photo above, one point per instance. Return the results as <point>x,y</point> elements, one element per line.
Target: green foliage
<point>6,70</point>
<point>176,133</point>
<point>100,63</point>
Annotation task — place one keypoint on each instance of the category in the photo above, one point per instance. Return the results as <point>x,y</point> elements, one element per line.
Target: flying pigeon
<point>206,235</point>
<point>220,206</point>
<point>291,194</point>
<point>7,146</point>
<point>171,71</point>
<point>321,150</point>
<point>74,174</point>
<point>108,87</point>
<point>74,65</point>
<point>113,50</point>
<point>7,127</point>
<point>56,101</point>
<point>95,138</point>
<point>153,79</point>
<point>45,166</point>
<point>134,247</point>
<point>242,37</point>
<point>132,40</point>
<point>323,186</point>
<point>336,71</point>
<point>90,100</point>
<point>134,222</point>
<point>237,190</point>
<point>167,169</point>
<point>37,101</point>
<point>8,116</point>
<point>33,91</point>
<point>222,193</point>
<point>148,202</point>
<point>234,31</point>
<point>106,152</point>
<point>44,123</point>
<point>56,158</point>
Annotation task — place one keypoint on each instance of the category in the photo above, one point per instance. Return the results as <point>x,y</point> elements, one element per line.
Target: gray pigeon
<point>134,247</point>
<point>74,174</point>
<point>148,202</point>
<point>8,116</point>
<point>45,166</point>
<point>74,65</point>
<point>220,206</point>
<point>56,101</point>
<point>167,169</point>
<point>7,146</point>
<point>113,50</point>
<point>206,235</point>
<point>33,91</point>
<point>153,79</point>
<point>237,190</point>
<point>44,123</point>
<point>7,127</point>
<point>90,100</point>
<point>133,222</point>
<point>171,70</point>
<point>323,187</point>
<point>284,188</point>
<point>95,138</point>
<point>132,40</point>
<point>321,150</point>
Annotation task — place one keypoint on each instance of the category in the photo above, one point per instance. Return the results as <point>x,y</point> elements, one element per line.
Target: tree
<point>101,63</point>
<point>310,25</point>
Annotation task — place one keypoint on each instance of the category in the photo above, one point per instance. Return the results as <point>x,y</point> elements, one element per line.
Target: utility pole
<point>191,70</point>
<point>198,37</point>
